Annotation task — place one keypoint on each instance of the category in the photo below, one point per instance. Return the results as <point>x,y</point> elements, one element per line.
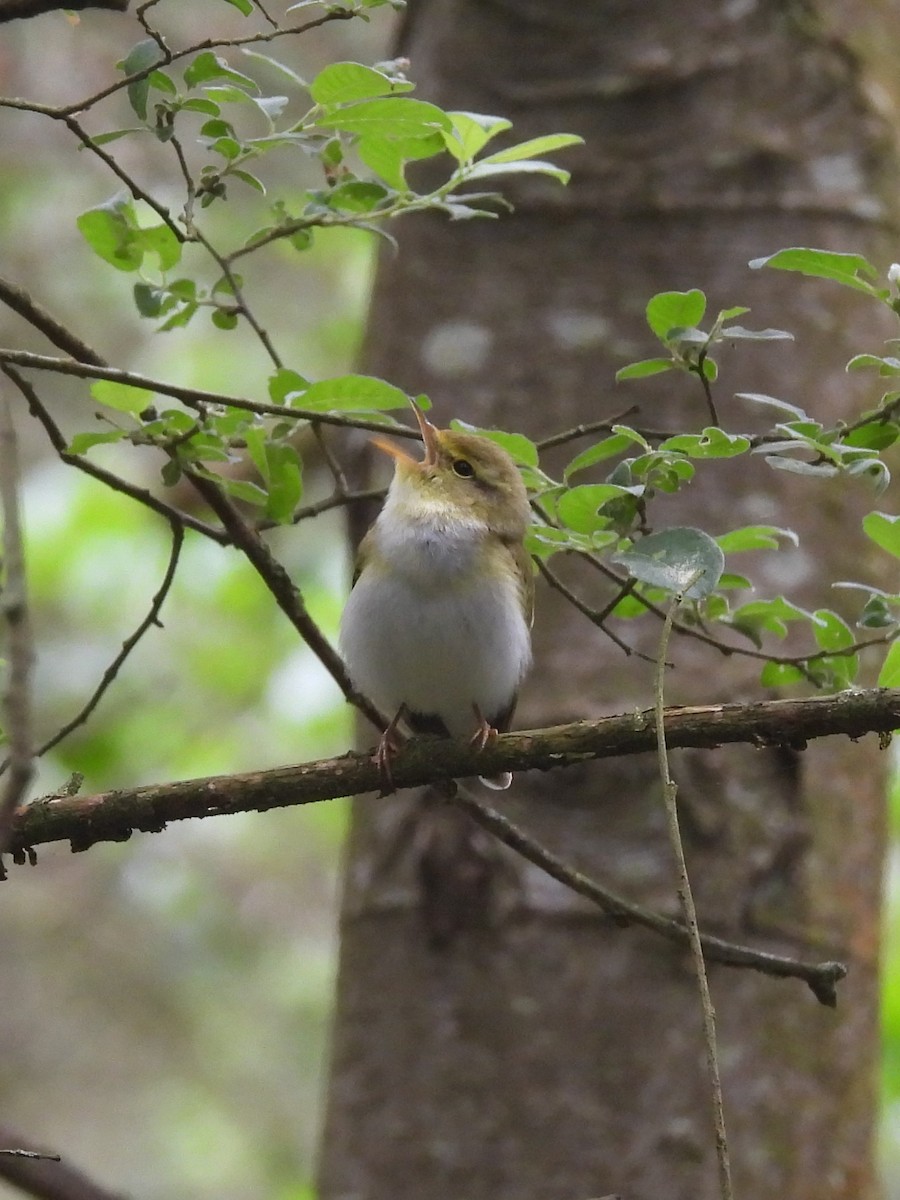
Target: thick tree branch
<point>114,816</point>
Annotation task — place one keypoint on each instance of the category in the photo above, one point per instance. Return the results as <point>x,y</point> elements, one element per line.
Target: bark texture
<point>540,1052</point>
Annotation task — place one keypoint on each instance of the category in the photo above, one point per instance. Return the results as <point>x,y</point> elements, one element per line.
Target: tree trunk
<point>529,1049</point>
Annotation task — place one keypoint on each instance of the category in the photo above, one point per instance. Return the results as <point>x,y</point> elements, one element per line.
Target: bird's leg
<point>485,732</point>
<point>388,745</point>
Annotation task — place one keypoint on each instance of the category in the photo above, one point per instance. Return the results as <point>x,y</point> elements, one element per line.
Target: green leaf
<point>647,366</point>
<point>243,6</point>
<point>887,365</point>
<point>208,66</point>
<point>874,435</point>
<point>737,333</point>
<point>884,531</point>
<point>520,448</point>
<point>471,133</point>
<point>111,232</point>
<point>780,675</point>
<point>889,675</point>
<point>342,82</point>
<point>773,616</point>
<point>285,383</point>
<point>831,631</point>
<point>711,443</point>
<point>387,156</point>
<point>121,396</point>
<point>675,310</point>
<point>534,147</point>
<point>161,241</point>
<point>224,318</point>
<point>797,466</point>
<point>145,54</point>
<point>681,560</point>
<point>618,443</point>
<point>348,393</point>
<point>847,269</point>
<point>755,537</point>
<point>83,442</point>
<point>285,481</point>
<point>578,508</point>
<point>276,65</point>
<point>773,402</point>
<point>392,117</point>
<point>485,169</point>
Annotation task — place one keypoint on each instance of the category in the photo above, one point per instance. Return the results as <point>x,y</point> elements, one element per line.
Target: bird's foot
<point>389,744</point>
<point>482,737</point>
<point>485,733</point>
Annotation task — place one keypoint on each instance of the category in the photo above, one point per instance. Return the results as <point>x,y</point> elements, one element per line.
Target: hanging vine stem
<point>686,899</point>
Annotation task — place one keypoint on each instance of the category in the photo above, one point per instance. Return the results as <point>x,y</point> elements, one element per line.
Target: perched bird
<point>437,628</point>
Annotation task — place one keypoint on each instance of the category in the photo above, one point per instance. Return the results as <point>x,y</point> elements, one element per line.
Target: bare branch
<point>152,618</point>
<point>114,816</point>
<point>195,397</point>
<point>39,1173</point>
<point>115,482</point>
<point>15,10</point>
<point>287,596</point>
<point>19,651</point>
<point>821,977</point>
<point>62,338</point>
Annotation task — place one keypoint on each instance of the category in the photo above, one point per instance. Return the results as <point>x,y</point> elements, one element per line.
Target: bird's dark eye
<point>463,468</point>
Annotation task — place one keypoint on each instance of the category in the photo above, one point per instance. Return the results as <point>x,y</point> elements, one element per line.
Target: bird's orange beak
<point>429,437</point>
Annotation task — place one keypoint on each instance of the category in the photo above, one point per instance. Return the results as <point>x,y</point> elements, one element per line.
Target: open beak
<point>429,437</point>
<point>396,452</point>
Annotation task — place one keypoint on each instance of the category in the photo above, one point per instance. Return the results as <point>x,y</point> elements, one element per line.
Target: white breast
<point>423,627</point>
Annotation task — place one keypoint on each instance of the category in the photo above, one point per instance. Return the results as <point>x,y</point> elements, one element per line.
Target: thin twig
<point>196,398</point>
<point>117,484</point>
<point>575,600</point>
<point>821,977</point>
<point>19,650</point>
<point>686,899</point>
<point>288,598</point>
<point>151,619</point>
<point>41,1174</point>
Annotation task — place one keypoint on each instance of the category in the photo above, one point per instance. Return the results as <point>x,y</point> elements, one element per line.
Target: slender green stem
<point>689,911</point>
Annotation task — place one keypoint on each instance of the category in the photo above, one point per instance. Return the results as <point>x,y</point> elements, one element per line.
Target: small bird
<point>437,628</point>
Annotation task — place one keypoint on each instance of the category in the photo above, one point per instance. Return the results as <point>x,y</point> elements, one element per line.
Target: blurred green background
<point>164,1007</point>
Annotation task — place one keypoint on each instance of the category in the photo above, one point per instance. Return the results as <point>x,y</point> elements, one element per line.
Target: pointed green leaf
<point>111,231</point>
<point>83,442</point>
<point>392,116</point>
<point>647,366</point>
<point>472,132</point>
<point>285,481</point>
<point>145,54</point>
<point>342,82</point>
<point>349,393</point>
<point>780,675</point>
<point>578,508</point>
<point>755,537</point>
<point>847,269</point>
<point>889,675</point>
<point>535,147</point>
<point>884,531</point>
<point>121,396</point>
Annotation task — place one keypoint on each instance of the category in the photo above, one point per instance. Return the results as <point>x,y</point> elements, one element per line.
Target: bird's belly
<point>438,653</point>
